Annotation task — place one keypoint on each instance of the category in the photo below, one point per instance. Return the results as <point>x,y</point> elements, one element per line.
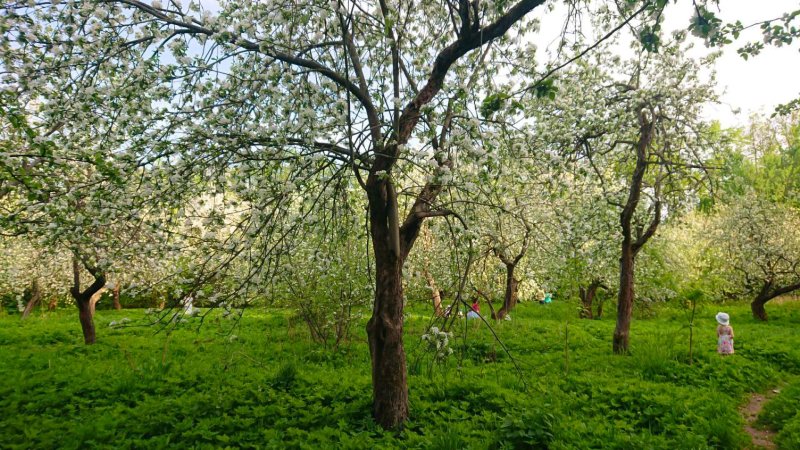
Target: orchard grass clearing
<point>264,384</point>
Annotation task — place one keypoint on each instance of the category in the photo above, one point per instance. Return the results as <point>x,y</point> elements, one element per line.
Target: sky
<point>757,84</point>
<point>749,86</point>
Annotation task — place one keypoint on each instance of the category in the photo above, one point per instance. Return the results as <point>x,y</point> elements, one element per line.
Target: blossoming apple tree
<point>243,120</point>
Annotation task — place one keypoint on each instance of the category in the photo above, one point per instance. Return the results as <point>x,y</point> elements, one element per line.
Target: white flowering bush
<point>327,285</point>
<point>438,343</point>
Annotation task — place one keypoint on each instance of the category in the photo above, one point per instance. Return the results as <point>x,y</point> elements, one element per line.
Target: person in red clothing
<point>475,310</point>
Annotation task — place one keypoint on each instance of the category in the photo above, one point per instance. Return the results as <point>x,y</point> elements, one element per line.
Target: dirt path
<point>762,439</point>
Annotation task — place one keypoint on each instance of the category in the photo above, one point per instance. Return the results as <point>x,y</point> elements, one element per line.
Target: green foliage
<point>497,102</point>
<point>327,285</point>
<point>783,409</point>
<point>493,103</point>
<point>286,376</point>
<point>546,89</point>
<point>270,389</point>
<point>789,436</point>
<point>649,37</point>
<point>787,108</point>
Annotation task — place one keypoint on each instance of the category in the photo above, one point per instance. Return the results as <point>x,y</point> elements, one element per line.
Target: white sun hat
<point>723,318</point>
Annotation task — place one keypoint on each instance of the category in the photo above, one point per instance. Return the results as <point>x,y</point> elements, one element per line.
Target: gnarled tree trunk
<point>35,298</point>
<point>86,316</point>
<point>767,293</point>
<point>391,242</point>
<point>631,246</point>
<point>624,299</point>
<point>757,306</point>
<point>510,297</point>
<point>385,327</point>
<point>587,295</point>
<point>84,299</point>
<point>436,295</point>
<point>115,293</point>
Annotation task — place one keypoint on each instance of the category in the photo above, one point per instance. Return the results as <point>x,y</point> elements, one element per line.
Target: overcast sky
<point>750,86</point>
<point>760,83</point>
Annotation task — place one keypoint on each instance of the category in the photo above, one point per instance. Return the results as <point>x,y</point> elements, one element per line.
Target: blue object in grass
<point>548,298</point>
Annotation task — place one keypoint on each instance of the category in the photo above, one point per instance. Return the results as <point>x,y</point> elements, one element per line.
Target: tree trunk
<point>510,298</point>
<point>36,297</point>
<point>757,306</point>
<point>94,299</point>
<point>587,298</point>
<point>631,247</point>
<point>86,316</point>
<point>385,327</point>
<point>624,299</point>
<point>435,294</point>
<point>86,299</point>
<point>599,309</point>
<point>117,304</point>
<point>768,292</point>
<point>586,305</point>
<point>588,295</point>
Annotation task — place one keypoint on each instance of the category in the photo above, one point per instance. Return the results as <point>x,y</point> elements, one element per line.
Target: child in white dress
<point>724,334</point>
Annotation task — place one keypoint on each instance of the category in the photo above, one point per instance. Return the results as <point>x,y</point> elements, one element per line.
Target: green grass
<point>271,387</point>
<point>782,413</point>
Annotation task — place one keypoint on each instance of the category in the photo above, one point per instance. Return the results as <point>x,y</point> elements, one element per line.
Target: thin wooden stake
<point>566,347</point>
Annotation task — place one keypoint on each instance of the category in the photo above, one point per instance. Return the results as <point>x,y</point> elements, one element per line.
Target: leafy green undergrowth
<point>782,414</point>
<point>264,384</point>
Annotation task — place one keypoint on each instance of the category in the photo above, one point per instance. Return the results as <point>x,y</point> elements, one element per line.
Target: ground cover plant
<point>783,415</point>
<point>259,383</point>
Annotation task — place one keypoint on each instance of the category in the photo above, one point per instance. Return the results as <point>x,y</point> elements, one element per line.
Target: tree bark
<point>115,292</point>
<point>757,306</point>
<point>624,300</point>
<point>436,296</point>
<point>631,247</point>
<point>36,297</point>
<point>510,297</point>
<point>84,299</point>
<point>385,327</point>
<point>86,316</point>
<point>767,293</point>
<point>587,298</point>
<point>94,299</point>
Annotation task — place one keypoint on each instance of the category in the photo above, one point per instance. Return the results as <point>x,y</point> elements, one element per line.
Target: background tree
<point>584,263</point>
<point>644,146</point>
<point>22,265</point>
<point>761,249</point>
<point>64,195</point>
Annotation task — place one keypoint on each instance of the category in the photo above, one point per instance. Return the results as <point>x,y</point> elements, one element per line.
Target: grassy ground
<point>267,386</point>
